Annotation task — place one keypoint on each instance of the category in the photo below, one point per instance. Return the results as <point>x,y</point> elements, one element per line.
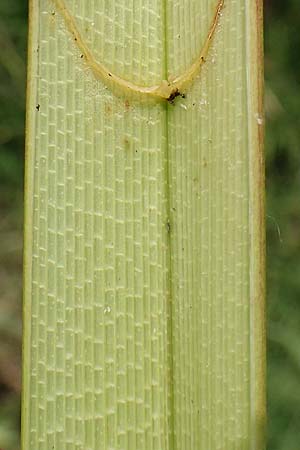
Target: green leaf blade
<point>144,252</point>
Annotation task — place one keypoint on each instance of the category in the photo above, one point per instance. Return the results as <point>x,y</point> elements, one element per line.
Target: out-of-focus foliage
<point>13,42</point>
<point>282,70</point>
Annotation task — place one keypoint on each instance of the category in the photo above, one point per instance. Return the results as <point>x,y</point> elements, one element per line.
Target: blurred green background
<point>282,100</point>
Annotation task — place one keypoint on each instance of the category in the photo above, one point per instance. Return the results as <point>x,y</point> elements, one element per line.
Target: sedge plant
<point>144,235</point>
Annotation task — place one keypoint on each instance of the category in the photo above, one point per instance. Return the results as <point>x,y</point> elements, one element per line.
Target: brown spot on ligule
<point>175,93</point>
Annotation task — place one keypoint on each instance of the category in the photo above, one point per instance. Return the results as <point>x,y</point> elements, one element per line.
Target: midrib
<point>169,225</point>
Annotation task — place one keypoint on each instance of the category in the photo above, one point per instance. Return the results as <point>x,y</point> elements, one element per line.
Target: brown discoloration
<point>257,222</point>
<point>126,142</point>
<point>127,105</point>
<point>175,93</point>
<point>107,109</point>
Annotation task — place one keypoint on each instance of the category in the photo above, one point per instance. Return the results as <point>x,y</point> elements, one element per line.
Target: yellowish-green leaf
<point>143,310</point>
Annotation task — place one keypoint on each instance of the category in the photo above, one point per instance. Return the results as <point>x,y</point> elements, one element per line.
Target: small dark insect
<point>38,107</point>
<point>173,95</point>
